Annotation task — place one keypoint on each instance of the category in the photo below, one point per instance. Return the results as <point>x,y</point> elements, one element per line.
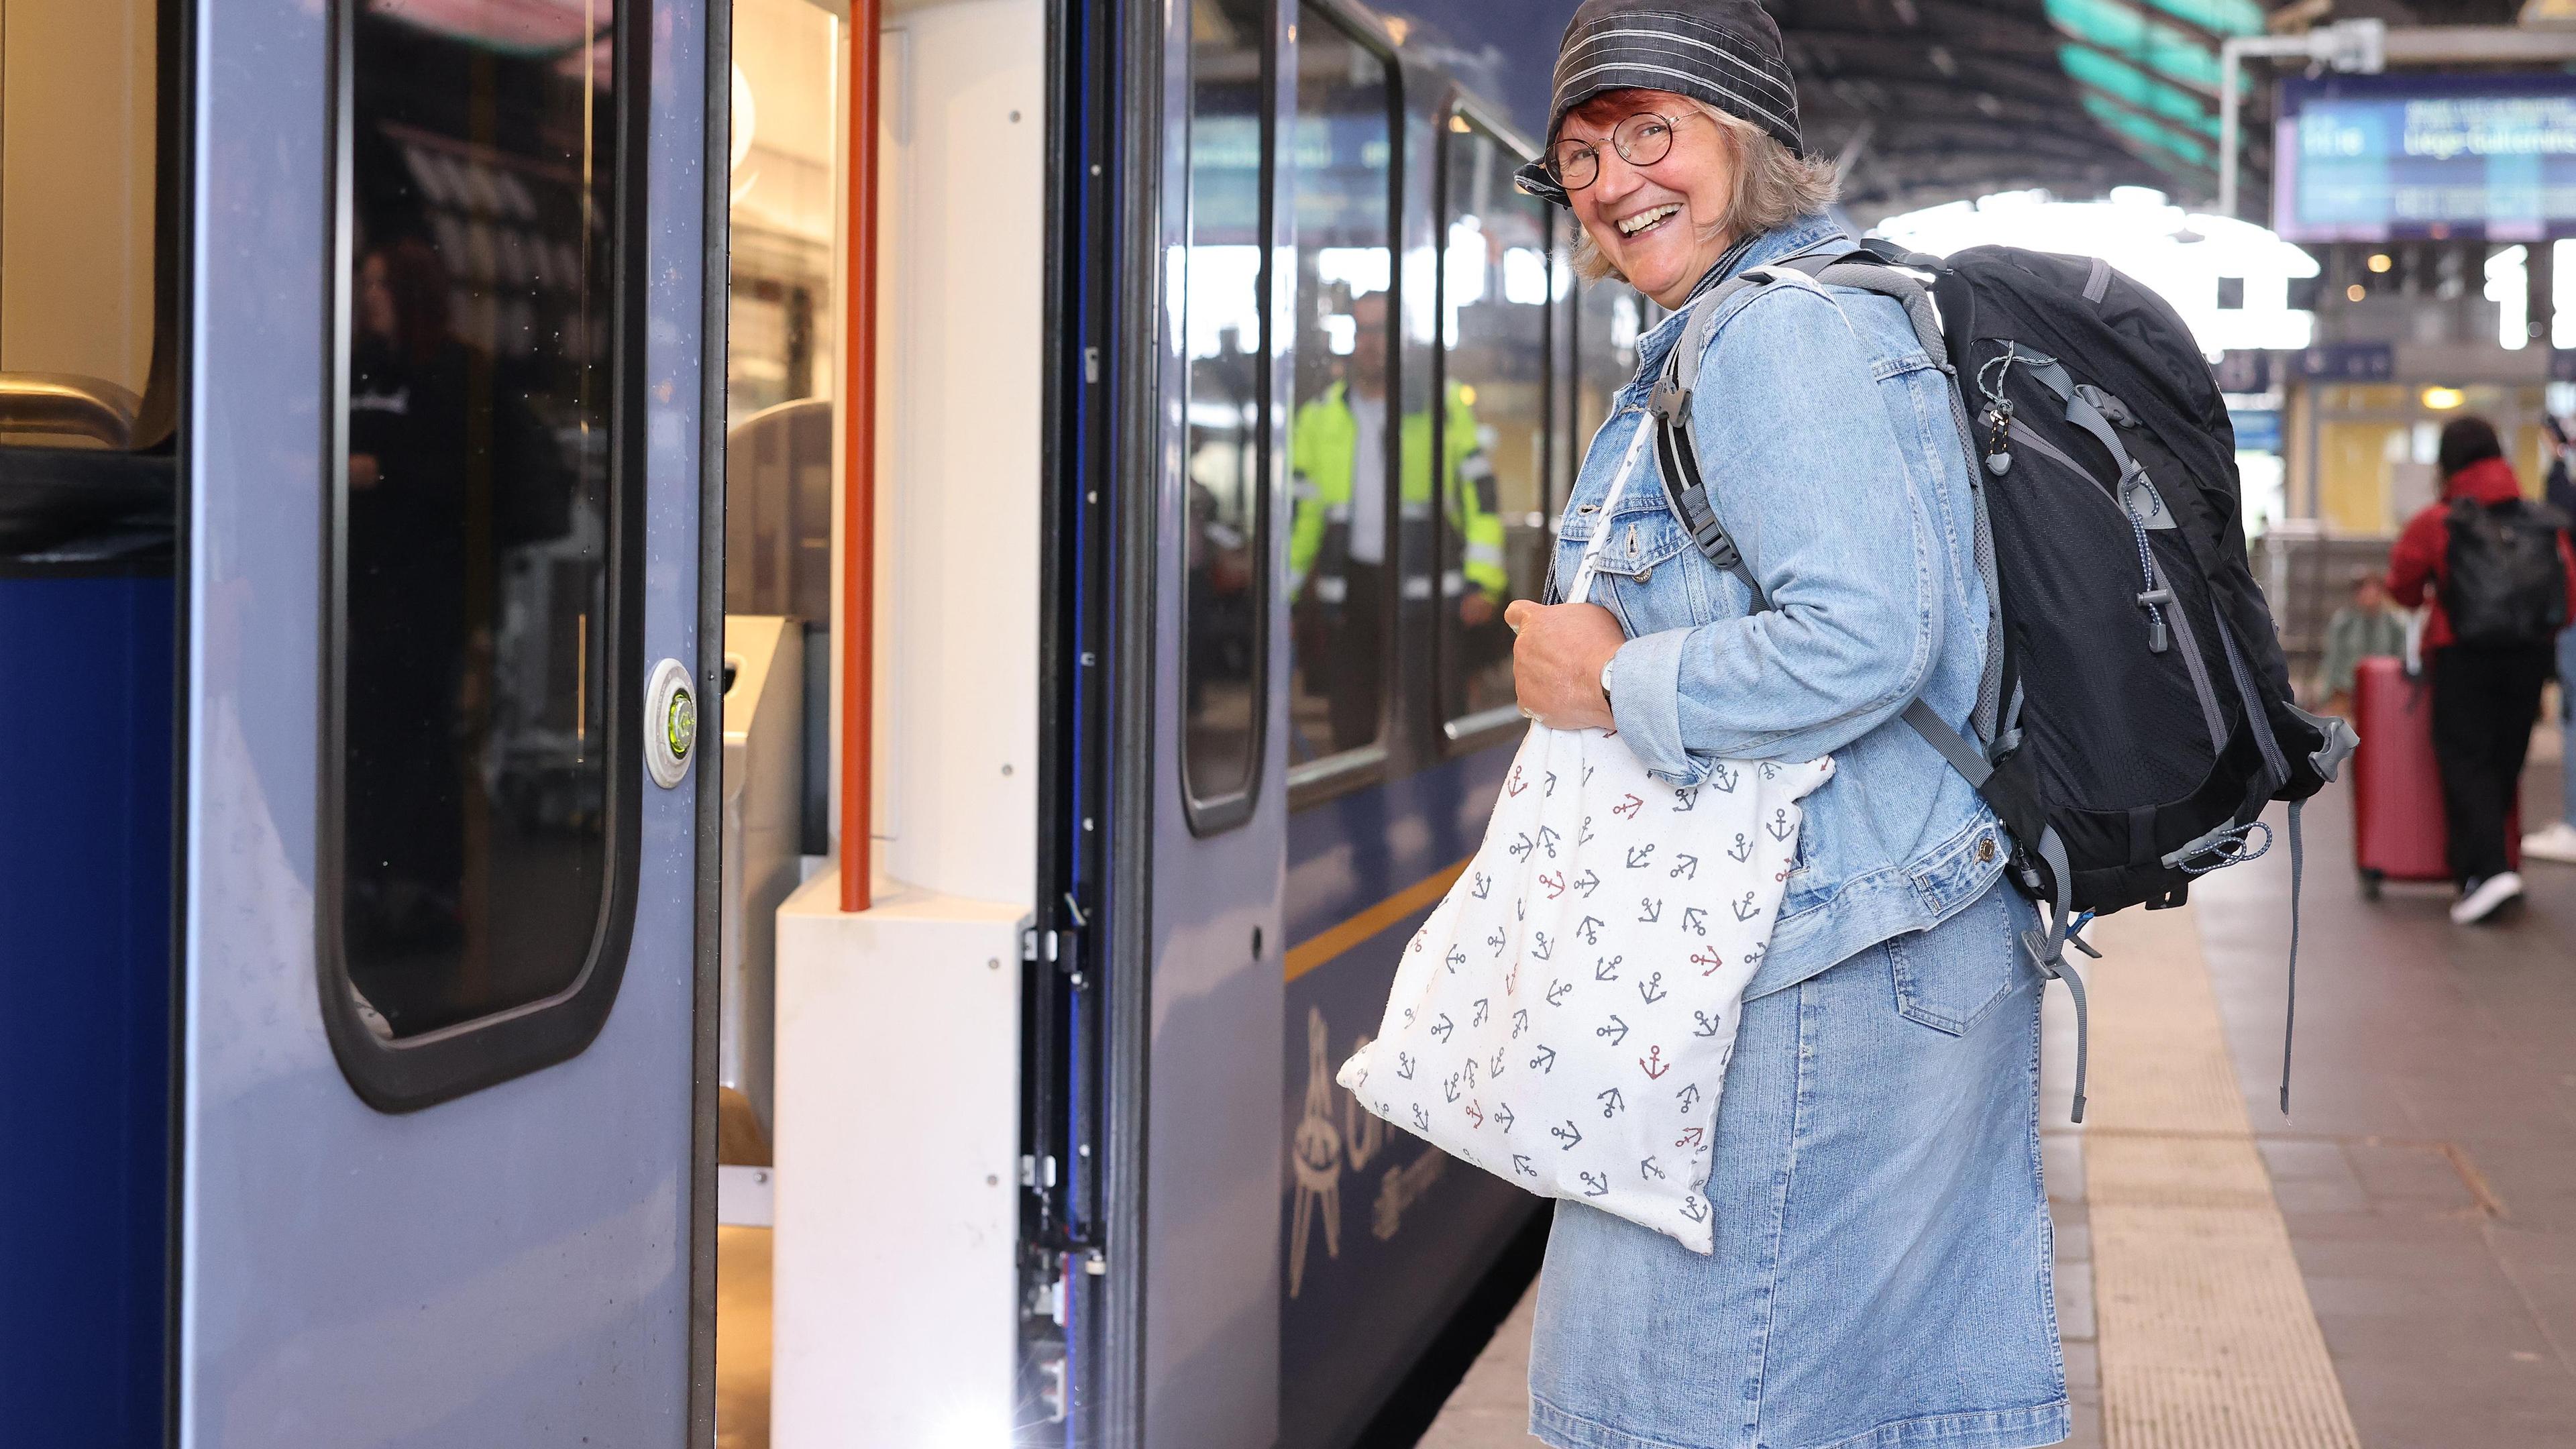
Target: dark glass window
<point>1495,288</point>
<point>477,603</point>
<point>1608,317</point>
<point>1343,433</point>
<point>1226,458</point>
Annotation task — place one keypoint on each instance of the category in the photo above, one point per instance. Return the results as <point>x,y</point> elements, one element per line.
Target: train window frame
<point>1209,815</point>
<point>412,1073</point>
<point>1332,776</point>
<point>1480,730</point>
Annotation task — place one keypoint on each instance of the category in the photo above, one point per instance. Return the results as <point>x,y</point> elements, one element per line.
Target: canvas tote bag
<point>1565,1017</point>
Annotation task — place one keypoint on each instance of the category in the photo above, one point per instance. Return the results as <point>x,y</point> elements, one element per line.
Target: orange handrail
<point>859,476</point>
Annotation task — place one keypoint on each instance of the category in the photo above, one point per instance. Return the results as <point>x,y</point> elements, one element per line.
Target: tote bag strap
<point>1582,590</point>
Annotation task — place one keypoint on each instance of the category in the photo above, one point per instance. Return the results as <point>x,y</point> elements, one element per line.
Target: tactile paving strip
<point>2207,1337</point>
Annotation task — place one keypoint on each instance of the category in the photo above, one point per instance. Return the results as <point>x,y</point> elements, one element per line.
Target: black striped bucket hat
<point>1724,52</point>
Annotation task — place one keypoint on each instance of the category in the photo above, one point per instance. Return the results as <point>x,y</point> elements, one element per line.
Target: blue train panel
<point>1385,1234</point>
<point>85,1031</point>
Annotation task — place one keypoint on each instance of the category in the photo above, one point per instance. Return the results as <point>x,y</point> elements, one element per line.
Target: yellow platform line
<point>2207,1337</point>
<point>1326,944</point>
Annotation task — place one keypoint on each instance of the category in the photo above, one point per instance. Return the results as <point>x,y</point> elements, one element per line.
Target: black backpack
<point>2503,583</point>
<point>2135,717</point>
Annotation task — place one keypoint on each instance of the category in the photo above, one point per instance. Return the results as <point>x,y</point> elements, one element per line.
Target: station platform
<point>2392,1265</point>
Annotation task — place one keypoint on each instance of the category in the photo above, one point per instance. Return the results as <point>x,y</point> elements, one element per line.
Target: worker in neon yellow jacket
<point>1338,548</point>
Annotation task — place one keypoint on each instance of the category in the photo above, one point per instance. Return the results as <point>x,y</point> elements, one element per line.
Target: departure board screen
<point>2381,157</point>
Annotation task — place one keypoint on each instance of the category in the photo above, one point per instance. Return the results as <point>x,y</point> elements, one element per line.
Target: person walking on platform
<point>1882,1265</point>
<point>2362,629</point>
<point>2502,583</point>
<point>1337,537</point>
<point>2557,841</point>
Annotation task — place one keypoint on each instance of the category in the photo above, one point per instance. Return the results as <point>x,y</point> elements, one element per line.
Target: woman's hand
<point>1556,661</point>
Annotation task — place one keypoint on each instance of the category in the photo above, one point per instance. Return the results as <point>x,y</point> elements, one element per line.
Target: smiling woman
<point>1885,1028</point>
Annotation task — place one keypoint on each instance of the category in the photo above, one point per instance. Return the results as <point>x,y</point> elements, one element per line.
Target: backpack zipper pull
<point>1998,419</point>
<point>2151,601</point>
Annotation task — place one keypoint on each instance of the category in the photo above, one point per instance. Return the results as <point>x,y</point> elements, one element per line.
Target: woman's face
<point>1659,224</point>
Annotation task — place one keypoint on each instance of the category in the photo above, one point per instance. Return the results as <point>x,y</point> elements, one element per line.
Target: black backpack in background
<point>2504,584</point>
<point>2135,717</point>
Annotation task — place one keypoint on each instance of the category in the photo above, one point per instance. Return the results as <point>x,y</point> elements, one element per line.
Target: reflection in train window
<point>1495,287</point>
<point>474,584</point>
<point>88,307</point>
<point>1607,320</point>
<point>1225,279</point>
<point>1342,436</point>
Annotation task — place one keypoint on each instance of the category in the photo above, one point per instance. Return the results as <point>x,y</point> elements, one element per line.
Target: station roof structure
<point>1929,101</point>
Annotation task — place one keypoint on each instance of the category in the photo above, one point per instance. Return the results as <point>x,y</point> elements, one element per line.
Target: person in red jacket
<point>2485,696</point>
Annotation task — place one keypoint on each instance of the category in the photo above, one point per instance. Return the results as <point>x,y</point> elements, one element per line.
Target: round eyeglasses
<point>1643,139</point>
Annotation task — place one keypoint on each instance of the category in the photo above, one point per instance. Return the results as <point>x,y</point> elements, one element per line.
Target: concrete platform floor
<point>2426,1175</point>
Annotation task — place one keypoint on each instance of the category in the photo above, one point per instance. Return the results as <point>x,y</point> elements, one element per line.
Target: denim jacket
<point>1828,443</point>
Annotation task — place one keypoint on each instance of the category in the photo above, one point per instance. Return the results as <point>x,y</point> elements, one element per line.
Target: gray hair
<point>1773,187</point>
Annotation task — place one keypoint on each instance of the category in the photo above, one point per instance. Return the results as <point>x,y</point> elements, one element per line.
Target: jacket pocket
<point>1947,977</point>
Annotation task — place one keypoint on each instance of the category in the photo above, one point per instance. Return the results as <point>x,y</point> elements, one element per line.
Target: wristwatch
<point>1606,666</point>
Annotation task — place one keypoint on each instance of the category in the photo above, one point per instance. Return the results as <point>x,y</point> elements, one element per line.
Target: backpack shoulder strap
<point>1870,268</point>
<point>1678,457</point>
<point>1676,454</point>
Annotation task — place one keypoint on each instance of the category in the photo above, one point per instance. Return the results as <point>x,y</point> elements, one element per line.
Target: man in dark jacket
<point>2485,695</point>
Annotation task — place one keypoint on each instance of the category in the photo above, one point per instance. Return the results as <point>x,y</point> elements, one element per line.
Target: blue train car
<point>363,527</point>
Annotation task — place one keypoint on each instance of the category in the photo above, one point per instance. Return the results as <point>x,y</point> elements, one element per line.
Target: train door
<point>442,1076</point>
<point>1210,543</point>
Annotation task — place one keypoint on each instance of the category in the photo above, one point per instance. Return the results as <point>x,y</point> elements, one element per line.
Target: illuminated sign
<point>2374,157</point>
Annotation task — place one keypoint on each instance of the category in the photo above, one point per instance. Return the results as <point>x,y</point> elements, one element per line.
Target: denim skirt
<point>1882,1273</point>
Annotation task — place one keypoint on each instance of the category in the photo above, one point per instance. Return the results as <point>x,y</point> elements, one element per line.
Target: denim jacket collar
<point>1803,235</point>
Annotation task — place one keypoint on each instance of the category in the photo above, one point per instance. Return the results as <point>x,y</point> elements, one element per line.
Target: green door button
<point>670,723</point>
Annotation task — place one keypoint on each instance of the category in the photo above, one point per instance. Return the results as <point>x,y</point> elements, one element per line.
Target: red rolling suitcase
<point>2397,829</point>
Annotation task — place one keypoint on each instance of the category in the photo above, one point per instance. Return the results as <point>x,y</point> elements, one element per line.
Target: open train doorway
<point>784,328</point>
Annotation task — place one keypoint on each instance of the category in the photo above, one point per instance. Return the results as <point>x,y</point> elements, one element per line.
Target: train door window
<point>1607,317</point>
<point>1494,290</point>
<point>1342,435</point>
<point>88,305</point>
<point>485,644</point>
<point>1223,328</point>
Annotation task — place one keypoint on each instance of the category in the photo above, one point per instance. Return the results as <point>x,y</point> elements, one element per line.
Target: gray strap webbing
<point>2276,765</point>
<point>2048,952</point>
<point>1963,756</point>
<point>2082,413</point>
<point>2290,1011</point>
<point>1912,295</point>
<point>2098,284</point>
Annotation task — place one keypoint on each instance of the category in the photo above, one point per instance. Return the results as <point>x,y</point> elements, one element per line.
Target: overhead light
<point>2443,399</point>
<point>2355,292</point>
<point>1458,123</point>
<point>2380,261</point>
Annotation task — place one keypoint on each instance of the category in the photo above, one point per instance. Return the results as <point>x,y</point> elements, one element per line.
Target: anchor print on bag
<point>1617,1106</point>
